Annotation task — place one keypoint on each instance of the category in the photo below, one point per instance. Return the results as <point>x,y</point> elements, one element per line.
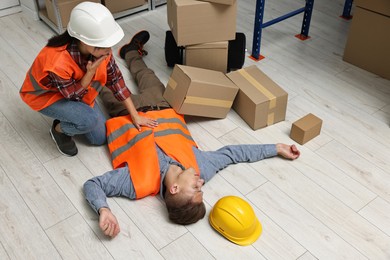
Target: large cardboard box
<point>116,6</point>
<point>213,56</point>
<point>368,43</point>
<point>200,92</point>
<point>194,22</point>
<point>225,2</point>
<point>65,8</point>
<point>260,101</point>
<point>306,128</point>
<point>378,6</point>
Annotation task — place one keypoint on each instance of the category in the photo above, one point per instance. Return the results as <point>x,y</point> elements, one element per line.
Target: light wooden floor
<point>332,203</point>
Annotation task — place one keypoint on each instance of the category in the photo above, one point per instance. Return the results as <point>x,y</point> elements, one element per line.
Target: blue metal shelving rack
<point>259,25</point>
<point>347,10</point>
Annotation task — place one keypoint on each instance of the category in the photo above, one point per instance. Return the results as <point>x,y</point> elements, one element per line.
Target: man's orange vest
<point>138,148</point>
<point>58,61</point>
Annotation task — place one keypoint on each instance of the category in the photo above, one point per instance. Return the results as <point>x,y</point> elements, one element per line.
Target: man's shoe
<point>64,143</point>
<point>137,43</point>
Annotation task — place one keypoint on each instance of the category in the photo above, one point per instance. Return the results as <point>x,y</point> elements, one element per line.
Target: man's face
<point>191,184</point>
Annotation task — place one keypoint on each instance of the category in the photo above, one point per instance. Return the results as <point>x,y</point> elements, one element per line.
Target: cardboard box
<point>225,2</point>
<point>306,128</point>
<point>116,6</point>
<point>65,8</point>
<point>378,6</point>
<point>194,22</point>
<point>260,101</point>
<point>200,92</point>
<point>368,42</point>
<point>212,56</point>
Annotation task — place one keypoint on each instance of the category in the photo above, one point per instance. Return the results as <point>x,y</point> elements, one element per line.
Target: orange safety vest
<point>58,61</point>
<point>137,148</point>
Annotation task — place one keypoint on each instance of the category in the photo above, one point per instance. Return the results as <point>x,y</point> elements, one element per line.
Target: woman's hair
<point>183,211</point>
<point>60,40</point>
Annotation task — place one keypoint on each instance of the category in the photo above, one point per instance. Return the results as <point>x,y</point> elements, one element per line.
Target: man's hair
<point>183,211</point>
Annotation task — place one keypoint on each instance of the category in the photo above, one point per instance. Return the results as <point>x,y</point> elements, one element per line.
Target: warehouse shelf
<point>155,3</point>
<point>347,10</point>
<point>59,28</point>
<point>259,25</point>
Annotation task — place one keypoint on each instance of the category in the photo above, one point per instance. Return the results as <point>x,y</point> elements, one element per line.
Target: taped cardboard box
<point>260,101</point>
<point>200,92</point>
<point>306,128</point>
<point>225,2</point>
<point>116,6</point>
<point>368,42</point>
<point>194,22</point>
<point>64,7</point>
<point>212,56</point>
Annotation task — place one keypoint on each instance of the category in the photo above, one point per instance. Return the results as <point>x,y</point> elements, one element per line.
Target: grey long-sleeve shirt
<point>118,182</point>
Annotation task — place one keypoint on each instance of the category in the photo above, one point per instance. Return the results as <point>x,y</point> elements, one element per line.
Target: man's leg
<point>112,105</point>
<point>150,88</point>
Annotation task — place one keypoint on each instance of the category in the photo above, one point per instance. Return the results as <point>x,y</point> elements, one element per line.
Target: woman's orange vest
<point>58,61</point>
<point>137,148</point>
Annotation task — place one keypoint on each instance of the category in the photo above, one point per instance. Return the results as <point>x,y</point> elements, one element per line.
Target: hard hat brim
<point>109,42</point>
<point>242,241</point>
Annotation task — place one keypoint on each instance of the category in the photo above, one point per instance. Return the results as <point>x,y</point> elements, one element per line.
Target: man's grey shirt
<point>118,182</point>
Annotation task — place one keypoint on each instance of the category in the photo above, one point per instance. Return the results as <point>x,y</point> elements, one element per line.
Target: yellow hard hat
<point>235,219</point>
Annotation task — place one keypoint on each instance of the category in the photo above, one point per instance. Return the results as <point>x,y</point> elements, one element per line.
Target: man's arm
<point>97,189</point>
<point>213,161</point>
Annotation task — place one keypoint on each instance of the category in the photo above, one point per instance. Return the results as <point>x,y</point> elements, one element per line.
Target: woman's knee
<point>99,140</point>
<point>88,124</point>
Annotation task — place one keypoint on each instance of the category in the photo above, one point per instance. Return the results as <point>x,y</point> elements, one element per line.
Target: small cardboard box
<point>194,22</point>
<point>368,43</point>
<point>200,92</point>
<point>116,6</point>
<point>212,56</point>
<point>65,8</point>
<point>260,101</point>
<point>225,2</point>
<point>306,128</point>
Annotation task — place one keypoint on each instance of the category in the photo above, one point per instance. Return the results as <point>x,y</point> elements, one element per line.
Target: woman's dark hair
<point>60,40</point>
<point>183,212</point>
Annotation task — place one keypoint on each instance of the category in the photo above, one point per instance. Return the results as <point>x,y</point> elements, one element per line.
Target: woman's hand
<point>91,70</point>
<point>108,222</point>
<point>288,151</point>
<point>93,65</point>
<point>139,121</point>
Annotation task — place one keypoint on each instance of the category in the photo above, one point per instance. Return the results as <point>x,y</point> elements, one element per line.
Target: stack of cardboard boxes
<point>201,87</point>
<point>204,29</point>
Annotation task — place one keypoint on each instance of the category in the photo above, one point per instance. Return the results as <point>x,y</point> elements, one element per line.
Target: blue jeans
<point>78,118</point>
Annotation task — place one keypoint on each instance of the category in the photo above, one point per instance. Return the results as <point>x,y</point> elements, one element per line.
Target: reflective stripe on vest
<point>137,148</point>
<point>37,88</point>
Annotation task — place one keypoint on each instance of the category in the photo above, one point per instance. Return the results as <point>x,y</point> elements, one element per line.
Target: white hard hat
<point>93,24</point>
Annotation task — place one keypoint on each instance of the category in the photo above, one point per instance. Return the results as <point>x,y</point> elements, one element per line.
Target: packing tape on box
<point>271,118</point>
<point>208,101</point>
<point>172,83</point>
<point>264,91</point>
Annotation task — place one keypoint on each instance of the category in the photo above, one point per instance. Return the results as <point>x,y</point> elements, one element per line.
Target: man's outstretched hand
<point>108,222</point>
<point>288,151</point>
